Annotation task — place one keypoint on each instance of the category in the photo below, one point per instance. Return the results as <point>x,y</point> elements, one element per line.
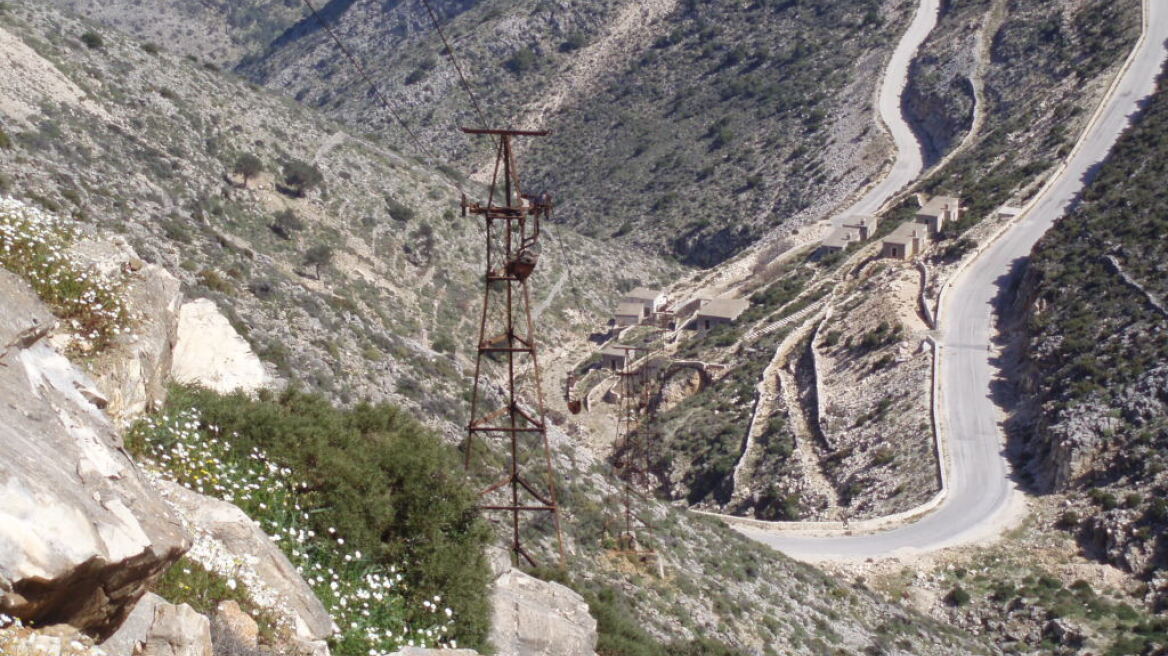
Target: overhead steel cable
<point>454,60</point>
<point>425,152</point>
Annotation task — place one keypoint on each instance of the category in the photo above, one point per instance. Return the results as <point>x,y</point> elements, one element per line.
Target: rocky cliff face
<point>1095,347</point>
<point>82,535</point>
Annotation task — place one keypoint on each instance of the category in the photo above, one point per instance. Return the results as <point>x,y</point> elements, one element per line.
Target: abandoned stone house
<point>653,300</point>
<point>863,224</point>
<point>838,240</point>
<point>628,314</point>
<point>938,211</point>
<point>910,239</point>
<point>905,243</point>
<point>613,357</point>
<point>719,312</point>
<point>853,230</point>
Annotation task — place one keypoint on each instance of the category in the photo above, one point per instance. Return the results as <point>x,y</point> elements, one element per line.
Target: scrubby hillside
<point>340,259</point>
<point>220,32</point>
<point>1034,72</point>
<point>1095,296</point>
<point>685,127</point>
<point>776,437</point>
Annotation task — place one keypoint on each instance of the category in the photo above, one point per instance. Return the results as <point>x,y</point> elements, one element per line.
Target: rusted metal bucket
<point>522,266</point>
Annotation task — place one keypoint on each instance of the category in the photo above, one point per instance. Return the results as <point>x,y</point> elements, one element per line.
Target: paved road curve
<point>981,492</point>
<point>909,160</point>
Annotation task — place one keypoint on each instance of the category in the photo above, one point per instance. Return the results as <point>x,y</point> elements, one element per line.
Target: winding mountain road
<point>981,494</point>
<point>909,159</point>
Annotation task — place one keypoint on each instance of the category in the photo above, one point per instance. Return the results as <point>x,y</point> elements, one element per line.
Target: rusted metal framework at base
<point>507,335</point>
<point>632,458</point>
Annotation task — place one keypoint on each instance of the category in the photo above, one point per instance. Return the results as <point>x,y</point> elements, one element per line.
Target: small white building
<point>652,299</point>
<point>863,224</point>
<point>613,357</point>
<point>839,240</point>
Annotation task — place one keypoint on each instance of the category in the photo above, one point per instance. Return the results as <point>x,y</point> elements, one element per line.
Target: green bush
<point>958,596</point>
<point>399,211</point>
<point>5,140</point>
<point>318,257</point>
<point>300,177</point>
<point>285,223</point>
<point>521,62</point>
<point>93,40</point>
<point>248,166</point>
<point>370,478</point>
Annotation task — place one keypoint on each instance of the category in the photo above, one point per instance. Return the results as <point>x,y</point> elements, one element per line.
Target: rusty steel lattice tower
<point>632,455</point>
<point>507,338</point>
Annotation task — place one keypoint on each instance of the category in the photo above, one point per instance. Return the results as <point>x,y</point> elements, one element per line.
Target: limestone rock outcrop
<point>82,535</point>
<point>221,528</point>
<point>209,352</point>
<point>133,632</point>
<point>133,373</point>
<point>539,618</point>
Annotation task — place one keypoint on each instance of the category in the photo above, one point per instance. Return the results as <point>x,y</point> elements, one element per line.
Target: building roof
<point>644,294</point>
<point>937,204</point>
<point>724,308</point>
<point>841,238</point>
<point>904,233</point>
<point>629,309</point>
<point>858,220</point>
<point>614,351</point>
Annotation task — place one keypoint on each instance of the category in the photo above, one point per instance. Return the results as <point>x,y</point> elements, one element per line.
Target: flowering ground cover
<point>34,245</point>
<point>365,503</point>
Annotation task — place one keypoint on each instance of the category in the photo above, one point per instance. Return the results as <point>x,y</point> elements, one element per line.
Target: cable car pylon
<point>507,337</point>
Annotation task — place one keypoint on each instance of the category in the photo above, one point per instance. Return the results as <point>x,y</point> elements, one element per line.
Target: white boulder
<point>209,352</point>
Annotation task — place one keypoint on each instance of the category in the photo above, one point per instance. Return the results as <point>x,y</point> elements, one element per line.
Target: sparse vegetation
<point>34,245</point>
<point>318,257</point>
<point>1097,342</point>
<point>285,224</point>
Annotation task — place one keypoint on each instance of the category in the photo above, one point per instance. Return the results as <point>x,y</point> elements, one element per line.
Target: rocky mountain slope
<point>1094,354</point>
<point>147,144</point>
<point>220,32</point>
<point>1035,94</point>
<point>1017,82</point>
<point>146,147</point>
<point>688,128</point>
